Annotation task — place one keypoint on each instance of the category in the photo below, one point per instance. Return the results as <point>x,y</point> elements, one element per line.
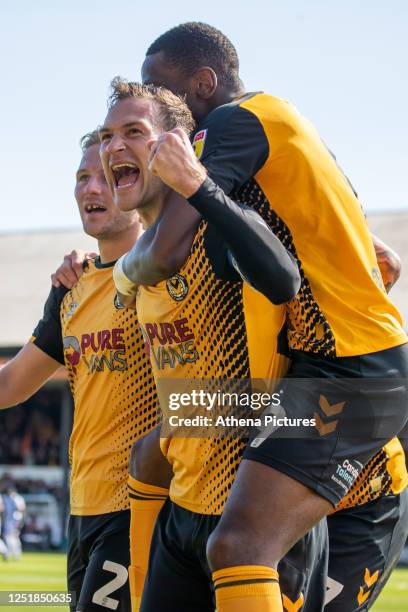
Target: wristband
<point>122,282</point>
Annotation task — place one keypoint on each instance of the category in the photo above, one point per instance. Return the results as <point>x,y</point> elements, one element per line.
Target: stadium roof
<point>30,258</point>
<point>28,261</point>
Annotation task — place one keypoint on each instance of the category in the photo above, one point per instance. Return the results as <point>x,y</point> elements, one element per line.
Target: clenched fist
<point>172,159</point>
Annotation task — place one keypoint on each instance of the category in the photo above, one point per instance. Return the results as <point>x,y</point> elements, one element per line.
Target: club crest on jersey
<point>177,287</point>
<point>71,309</point>
<point>198,143</point>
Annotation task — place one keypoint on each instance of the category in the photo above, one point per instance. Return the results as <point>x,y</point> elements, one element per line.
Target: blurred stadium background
<point>34,436</point>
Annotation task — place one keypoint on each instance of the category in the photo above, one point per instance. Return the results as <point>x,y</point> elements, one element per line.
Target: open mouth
<point>92,209</point>
<point>125,175</point>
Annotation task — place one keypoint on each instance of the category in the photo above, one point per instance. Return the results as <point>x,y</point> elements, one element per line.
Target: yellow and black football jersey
<point>198,325</point>
<point>111,381</point>
<point>262,152</point>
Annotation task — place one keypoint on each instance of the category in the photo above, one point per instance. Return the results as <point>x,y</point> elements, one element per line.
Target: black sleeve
<point>48,333</point>
<point>235,146</point>
<point>255,252</point>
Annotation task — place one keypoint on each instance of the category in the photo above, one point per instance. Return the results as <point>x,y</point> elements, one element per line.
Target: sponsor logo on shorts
<point>345,473</point>
<point>365,590</point>
<point>292,606</point>
<point>177,287</point>
<point>198,143</point>
<point>325,424</point>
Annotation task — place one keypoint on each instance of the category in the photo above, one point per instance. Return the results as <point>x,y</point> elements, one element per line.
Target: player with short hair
<point>114,393</point>
<point>203,322</point>
<point>260,151</point>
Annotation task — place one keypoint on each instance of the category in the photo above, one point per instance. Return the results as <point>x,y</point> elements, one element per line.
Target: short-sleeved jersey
<point>261,151</point>
<point>197,325</point>
<point>111,381</point>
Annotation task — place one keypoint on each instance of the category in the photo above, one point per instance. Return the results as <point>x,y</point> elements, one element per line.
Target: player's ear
<point>205,82</point>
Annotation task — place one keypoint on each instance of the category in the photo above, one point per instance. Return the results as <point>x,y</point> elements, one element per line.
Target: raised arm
<point>164,247</point>
<point>257,254</point>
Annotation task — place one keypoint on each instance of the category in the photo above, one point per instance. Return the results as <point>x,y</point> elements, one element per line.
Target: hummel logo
<point>325,427</point>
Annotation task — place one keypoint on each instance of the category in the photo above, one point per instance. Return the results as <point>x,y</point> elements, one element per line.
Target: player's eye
<point>82,178</point>
<point>105,137</point>
<point>134,131</point>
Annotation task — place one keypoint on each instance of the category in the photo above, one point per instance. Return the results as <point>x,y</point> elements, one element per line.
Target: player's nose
<point>115,144</point>
<point>94,185</point>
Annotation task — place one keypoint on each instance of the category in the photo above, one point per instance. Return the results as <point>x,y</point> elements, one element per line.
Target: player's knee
<point>237,546</point>
<point>223,548</point>
<point>240,545</point>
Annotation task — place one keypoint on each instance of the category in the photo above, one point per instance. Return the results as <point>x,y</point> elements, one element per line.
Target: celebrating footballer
<point>233,251</point>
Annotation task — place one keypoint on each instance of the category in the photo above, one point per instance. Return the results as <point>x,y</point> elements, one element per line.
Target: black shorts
<point>365,544</point>
<point>179,578</point>
<point>351,407</point>
<point>98,561</point>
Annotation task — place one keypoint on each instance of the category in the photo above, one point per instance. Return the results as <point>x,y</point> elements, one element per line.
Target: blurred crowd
<point>30,506</point>
<point>30,485</point>
<point>29,435</point>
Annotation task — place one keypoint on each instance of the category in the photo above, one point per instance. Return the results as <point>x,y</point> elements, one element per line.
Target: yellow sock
<point>247,588</point>
<point>146,502</point>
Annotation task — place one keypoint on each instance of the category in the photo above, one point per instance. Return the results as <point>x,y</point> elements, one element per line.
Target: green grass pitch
<point>34,572</point>
<point>41,571</point>
<point>394,597</point>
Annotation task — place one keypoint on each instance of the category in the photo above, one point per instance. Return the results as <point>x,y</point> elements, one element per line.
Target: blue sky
<point>342,63</point>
